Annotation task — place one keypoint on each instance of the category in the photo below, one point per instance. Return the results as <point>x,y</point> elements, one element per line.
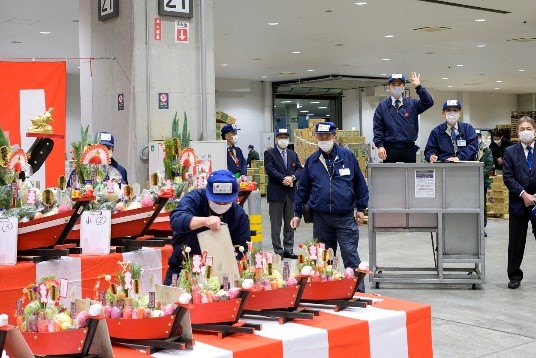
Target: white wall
<point>73,121</point>
<point>243,100</point>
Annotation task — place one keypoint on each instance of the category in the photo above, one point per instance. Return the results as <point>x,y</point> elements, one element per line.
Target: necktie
<point>529,157</point>
<point>284,154</point>
<point>453,135</point>
<point>397,104</point>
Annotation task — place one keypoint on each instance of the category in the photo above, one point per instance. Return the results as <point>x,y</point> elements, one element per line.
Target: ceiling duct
<point>465,6</point>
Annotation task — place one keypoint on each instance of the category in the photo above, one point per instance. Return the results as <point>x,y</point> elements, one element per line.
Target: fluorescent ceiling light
<point>385,59</point>
<point>45,32</point>
<point>449,86</point>
<point>263,76</point>
<point>286,102</point>
<point>295,52</point>
<point>224,65</point>
<point>499,81</point>
<point>310,70</point>
<point>481,45</point>
<point>327,115</point>
<point>314,102</point>
<point>389,36</point>
<point>521,70</point>
<point>497,88</point>
<point>305,111</point>
<point>459,65</point>
<point>361,3</point>
<point>445,78</point>
<point>383,74</point>
<point>480,20</point>
<point>273,23</point>
<point>322,107</point>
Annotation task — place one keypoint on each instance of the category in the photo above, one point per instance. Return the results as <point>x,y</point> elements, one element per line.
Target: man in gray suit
<point>283,168</point>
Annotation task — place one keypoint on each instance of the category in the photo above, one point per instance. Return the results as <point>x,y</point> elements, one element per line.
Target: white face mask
<point>325,145</point>
<point>526,136</point>
<point>219,208</point>
<point>282,143</point>
<point>396,92</point>
<point>452,117</point>
<point>497,141</point>
<point>234,139</point>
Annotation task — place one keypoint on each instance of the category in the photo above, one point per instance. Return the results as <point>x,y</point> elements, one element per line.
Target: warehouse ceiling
<point>463,45</point>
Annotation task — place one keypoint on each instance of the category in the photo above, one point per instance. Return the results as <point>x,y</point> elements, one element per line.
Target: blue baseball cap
<point>452,103</point>
<point>106,138</point>
<point>397,76</point>
<point>229,128</point>
<point>222,186</point>
<point>282,131</point>
<point>325,127</point>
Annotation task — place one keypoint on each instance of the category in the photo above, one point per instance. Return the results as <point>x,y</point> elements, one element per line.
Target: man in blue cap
<point>283,168</point>
<point>207,209</point>
<point>451,141</point>
<point>236,163</point>
<point>115,171</point>
<point>333,187</point>
<point>396,120</point>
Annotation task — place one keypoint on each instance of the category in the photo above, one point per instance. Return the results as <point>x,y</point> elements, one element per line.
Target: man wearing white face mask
<point>396,120</point>
<point>207,209</point>
<point>333,187</point>
<point>451,141</point>
<point>236,163</point>
<point>519,174</point>
<point>284,169</point>
<point>498,145</point>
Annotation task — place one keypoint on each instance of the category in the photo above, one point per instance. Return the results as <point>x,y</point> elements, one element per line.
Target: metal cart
<point>442,198</point>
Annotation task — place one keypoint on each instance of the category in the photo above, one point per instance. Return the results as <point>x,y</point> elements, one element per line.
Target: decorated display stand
<point>72,343</point>
<point>282,304</point>
<point>44,239</point>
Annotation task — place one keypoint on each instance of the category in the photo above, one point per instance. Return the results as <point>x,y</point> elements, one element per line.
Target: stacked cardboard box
<point>497,205</point>
<point>223,117</point>
<point>259,175</point>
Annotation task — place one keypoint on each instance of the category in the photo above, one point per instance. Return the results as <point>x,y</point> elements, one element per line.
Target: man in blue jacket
<point>334,188</point>
<point>283,168</point>
<point>207,209</point>
<point>236,163</point>
<point>396,120</point>
<point>451,141</point>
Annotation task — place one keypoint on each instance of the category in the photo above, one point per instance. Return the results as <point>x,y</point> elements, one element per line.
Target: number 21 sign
<point>176,8</point>
<point>108,9</point>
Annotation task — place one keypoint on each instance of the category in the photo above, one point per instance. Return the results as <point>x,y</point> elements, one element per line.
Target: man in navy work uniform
<point>451,141</point>
<point>283,168</point>
<point>396,120</point>
<point>334,188</point>
<point>207,209</point>
<point>519,174</point>
<point>236,163</point>
<point>107,139</point>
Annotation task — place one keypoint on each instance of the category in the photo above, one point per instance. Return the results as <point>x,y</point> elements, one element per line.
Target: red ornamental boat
<point>42,232</point>
<point>143,328</point>
<point>281,298</point>
<point>226,311</point>
<point>330,290</point>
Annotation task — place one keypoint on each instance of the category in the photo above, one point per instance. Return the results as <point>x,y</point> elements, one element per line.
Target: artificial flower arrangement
<point>260,271</point>
<point>197,280</point>
<point>122,298</point>
<point>314,261</point>
<point>43,312</point>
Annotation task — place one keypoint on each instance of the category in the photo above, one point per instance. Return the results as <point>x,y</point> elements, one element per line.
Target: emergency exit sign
<point>182,32</point>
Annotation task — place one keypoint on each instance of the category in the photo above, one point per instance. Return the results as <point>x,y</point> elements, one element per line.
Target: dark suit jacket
<point>276,171</point>
<point>518,177</point>
<point>240,166</point>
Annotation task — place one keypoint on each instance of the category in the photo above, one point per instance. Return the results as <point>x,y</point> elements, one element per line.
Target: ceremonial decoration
<point>40,123</point>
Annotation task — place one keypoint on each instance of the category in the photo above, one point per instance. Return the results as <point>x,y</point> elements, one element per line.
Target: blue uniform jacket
<point>237,164</point>
<point>193,204</point>
<point>440,143</point>
<point>402,127</point>
<point>517,177</point>
<point>332,194</point>
<point>121,171</point>
<point>276,171</point>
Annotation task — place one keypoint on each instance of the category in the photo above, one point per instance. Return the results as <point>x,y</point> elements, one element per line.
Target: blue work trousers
<point>331,229</point>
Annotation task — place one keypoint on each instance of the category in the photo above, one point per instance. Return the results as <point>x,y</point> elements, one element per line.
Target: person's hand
<point>295,222</point>
<point>287,181</point>
<point>433,158</point>
<point>382,153</point>
<point>359,217</point>
<point>453,159</point>
<point>528,199</point>
<point>415,79</point>
<point>242,179</point>
<point>213,223</point>
<point>500,160</point>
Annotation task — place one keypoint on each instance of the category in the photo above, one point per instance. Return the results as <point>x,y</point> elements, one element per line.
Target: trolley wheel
<point>377,285</point>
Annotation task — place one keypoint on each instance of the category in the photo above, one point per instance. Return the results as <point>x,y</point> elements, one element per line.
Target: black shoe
<point>485,234</point>
<point>513,284</point>
<point>287,255</point>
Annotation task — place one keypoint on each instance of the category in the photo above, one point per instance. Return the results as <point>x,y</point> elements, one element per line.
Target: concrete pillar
<point>140,67</point>
<point>267,109</point>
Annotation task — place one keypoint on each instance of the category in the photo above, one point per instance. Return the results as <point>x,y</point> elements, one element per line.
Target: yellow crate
<point>259,163</point>
<point>497,200</point>
<point>497,179</point>
<point>499,186</point>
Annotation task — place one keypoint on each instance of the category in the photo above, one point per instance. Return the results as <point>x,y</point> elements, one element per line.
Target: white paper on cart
<point>9,228</point>
<point>95,232</point>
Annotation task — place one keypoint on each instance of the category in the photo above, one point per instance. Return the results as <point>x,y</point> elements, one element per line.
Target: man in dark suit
<point>236,163</point>
<point>283,168</point>
<point>519,173</point>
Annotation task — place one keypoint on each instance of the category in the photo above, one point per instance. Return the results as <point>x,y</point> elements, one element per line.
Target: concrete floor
<point>490,322</point>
